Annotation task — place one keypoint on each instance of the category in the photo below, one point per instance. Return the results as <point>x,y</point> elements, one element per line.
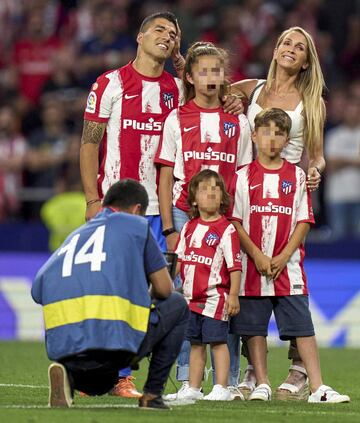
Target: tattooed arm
<point>89,164</point>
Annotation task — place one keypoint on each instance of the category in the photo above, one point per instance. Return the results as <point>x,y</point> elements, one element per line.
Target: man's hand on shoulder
<point>233,104</point>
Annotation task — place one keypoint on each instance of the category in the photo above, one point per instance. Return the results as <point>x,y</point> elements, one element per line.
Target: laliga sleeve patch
<point>91,103</point>
<point>238,258</point>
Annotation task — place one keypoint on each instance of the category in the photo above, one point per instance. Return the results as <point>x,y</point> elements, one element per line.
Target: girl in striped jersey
<point>196,136</point>
<point>199,135</point>
<point>210,263</point>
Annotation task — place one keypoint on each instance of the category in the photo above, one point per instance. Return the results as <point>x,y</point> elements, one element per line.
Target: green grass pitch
<point>24,395</point>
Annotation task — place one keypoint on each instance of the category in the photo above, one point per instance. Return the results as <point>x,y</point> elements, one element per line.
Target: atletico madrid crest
<point>286,187</point>
<point>229,129</point>
<point>168,100</point>
<point>212,239</point>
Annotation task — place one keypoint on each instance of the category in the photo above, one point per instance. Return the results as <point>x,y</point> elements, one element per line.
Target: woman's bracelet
<point>95,200</point>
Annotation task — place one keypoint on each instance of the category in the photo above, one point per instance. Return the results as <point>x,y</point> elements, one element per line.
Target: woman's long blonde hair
<point>310,83</point>
<point>196,50</point>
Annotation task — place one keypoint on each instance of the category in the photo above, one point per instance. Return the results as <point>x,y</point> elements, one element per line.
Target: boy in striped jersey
<point>272,212</point>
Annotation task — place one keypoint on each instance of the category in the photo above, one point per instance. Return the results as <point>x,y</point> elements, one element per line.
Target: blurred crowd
<point>51,51</point>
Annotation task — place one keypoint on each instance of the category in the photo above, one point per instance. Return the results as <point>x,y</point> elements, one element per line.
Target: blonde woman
<point>295,84</point>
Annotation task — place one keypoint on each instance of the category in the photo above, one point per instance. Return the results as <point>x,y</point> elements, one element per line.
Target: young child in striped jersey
<point>273,212</point>
<point>210,264</point>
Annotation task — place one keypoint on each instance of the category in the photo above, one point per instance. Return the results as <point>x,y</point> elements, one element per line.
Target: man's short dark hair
<point>281,119</point>
<point>169,16</point>
<point>126,193</point>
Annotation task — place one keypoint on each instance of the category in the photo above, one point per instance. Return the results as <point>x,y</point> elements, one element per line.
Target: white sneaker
<point>237,394</point>
<point>190,394</point>
<point>326,394</point>
<point>261,393</point>
<point>60,394</point>
<point>219,393</point>
<point>185,393</point>
<point>173,397</point>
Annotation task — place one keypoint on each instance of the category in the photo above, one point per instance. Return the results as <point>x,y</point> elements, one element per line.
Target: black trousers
<point>95,372</point>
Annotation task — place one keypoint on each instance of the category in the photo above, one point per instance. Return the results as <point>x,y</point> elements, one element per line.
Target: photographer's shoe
<point>59,387</point>
<point>151,401</point>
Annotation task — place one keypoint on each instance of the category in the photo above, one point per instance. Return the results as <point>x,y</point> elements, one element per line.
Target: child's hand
<point>232,305</point>
<point>278,264</point>
<point>263,264</point>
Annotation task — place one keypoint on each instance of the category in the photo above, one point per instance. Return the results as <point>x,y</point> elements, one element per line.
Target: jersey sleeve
<point>305,211</point>
<point>230,243</point>
<point>153,257</point>
<point>180,246</point>
<point>237,205</point>
<point>244,151</point>
<point>101,97</point>
<point>166,153</point>
<point>36,288</point>
<point>231,192</point>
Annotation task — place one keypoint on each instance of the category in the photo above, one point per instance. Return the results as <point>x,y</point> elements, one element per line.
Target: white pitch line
<point>72,407</point>
<point>13,385</point>
<point>323,411</point>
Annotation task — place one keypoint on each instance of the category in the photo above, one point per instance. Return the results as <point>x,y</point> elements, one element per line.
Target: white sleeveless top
<point>293,151</point>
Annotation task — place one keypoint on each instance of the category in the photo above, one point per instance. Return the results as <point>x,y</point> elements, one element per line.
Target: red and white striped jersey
<point>195,138</point>
<point>134,107</point>
<point>208,252</point>
<point>269,204</point>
